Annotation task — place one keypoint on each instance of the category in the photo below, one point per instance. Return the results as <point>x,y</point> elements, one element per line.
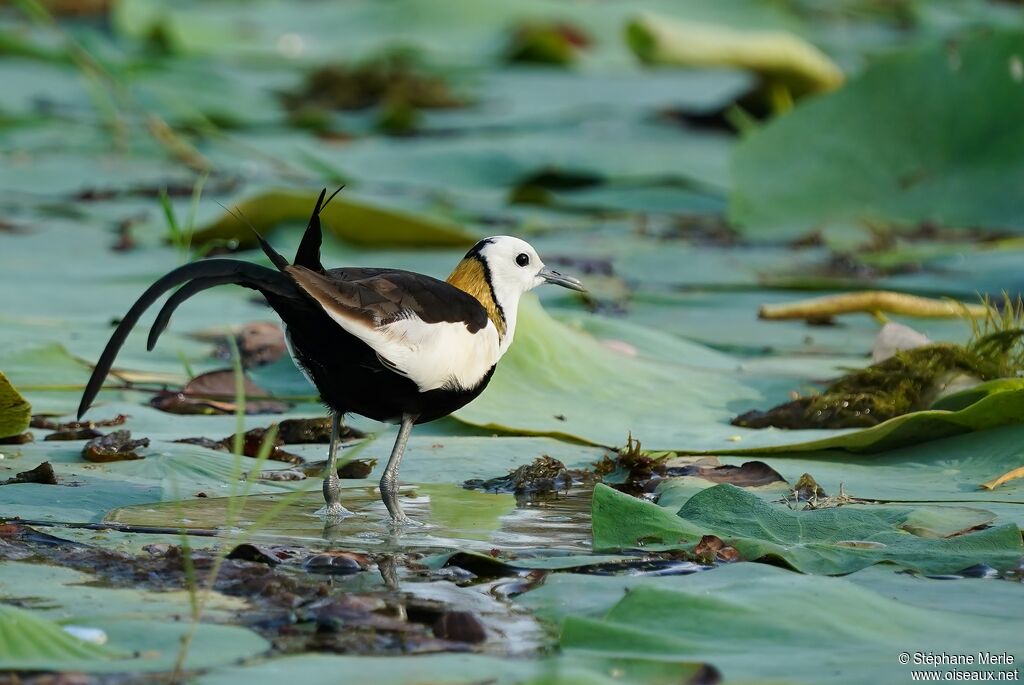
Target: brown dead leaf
<point>317,431</point>
<point>73,434</point>
<point>711,549</point>
<point>252,444</point>
<point>749,474</point>
<point>19,439</point>
<point>336,563</point>
<point>460,626</point>
<point>356,469</point>
<point>74,430</point>
<point>214,393</point>
<point>45,422</point>
<point>42,474</point>
<point>264,554</point>
<point>259,343</point>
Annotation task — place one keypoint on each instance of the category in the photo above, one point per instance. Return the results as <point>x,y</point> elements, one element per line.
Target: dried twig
<point>870,302</point>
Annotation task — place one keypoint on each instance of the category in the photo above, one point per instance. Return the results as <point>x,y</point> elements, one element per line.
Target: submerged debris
<point>117,446</point>
<point>910,380</point>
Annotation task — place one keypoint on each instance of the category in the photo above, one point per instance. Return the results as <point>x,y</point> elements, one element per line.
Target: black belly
<point>350,377</point>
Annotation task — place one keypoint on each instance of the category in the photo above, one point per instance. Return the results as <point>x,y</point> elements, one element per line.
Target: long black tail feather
<point>197,276</point>
<point>193,287</point>
<point>276,257</point>
<point>308,254</point>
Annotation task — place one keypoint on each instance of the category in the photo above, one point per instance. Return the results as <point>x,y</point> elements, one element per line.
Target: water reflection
<point>452,518</point>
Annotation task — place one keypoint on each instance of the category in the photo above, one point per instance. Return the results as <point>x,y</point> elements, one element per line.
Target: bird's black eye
<point>523,259</point>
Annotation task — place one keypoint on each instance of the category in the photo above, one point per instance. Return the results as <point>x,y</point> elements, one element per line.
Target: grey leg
<point>332,487</point>
<point>388,567</point>
<point>389,481</point>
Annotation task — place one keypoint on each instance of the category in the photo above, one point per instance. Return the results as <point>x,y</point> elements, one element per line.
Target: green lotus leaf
<point>828,541</point>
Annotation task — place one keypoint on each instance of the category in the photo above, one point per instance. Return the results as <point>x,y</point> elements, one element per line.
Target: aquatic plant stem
<point>872,302</point>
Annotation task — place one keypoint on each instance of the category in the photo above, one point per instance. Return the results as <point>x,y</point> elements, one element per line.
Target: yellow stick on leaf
<point>869,302</point>
<point>1005,478</point>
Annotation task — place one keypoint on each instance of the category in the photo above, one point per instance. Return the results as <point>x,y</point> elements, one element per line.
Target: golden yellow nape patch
<point>469,276</point>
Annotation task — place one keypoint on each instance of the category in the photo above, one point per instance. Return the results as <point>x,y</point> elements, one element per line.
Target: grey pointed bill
<point>555,278</point>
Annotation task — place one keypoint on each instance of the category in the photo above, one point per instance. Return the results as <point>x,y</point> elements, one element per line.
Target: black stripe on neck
<point>476,254</point>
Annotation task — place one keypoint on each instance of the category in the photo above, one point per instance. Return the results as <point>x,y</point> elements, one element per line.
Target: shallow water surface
<point>451,517</point>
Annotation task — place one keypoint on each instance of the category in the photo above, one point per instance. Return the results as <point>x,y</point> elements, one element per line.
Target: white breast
<point>439,355</point>
<point>432,355</point>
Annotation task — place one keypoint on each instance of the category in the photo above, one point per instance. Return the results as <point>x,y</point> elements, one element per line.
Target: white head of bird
<point>497,271</point>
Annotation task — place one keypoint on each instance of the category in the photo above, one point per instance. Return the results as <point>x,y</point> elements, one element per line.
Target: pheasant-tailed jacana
<point>388,344</point>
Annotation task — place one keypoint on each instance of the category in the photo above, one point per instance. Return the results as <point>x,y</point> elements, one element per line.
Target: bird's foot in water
<point>402,522</point>
<point>333,511</point>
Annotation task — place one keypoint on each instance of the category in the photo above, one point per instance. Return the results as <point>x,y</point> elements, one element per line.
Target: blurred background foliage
<point>693,162</point>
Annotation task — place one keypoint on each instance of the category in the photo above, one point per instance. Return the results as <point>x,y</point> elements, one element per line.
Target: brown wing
<point>377,297</point>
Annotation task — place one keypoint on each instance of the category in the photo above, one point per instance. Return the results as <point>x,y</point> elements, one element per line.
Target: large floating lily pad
<point>992,404</point>
<point>824,541</point>
<point>915,146</point>
<point>946,472</point>
<point>465,669</point>
<point>29,642</point>
<point>345,218</point>
<point>762,624</point>
<point>140,636</point>
<point>14,410</point>
<point>562,382</point>
<point>782,59</point>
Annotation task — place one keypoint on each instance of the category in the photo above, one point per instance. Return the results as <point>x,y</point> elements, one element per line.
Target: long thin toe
<point>334,510</point>
<point>403,522</point>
